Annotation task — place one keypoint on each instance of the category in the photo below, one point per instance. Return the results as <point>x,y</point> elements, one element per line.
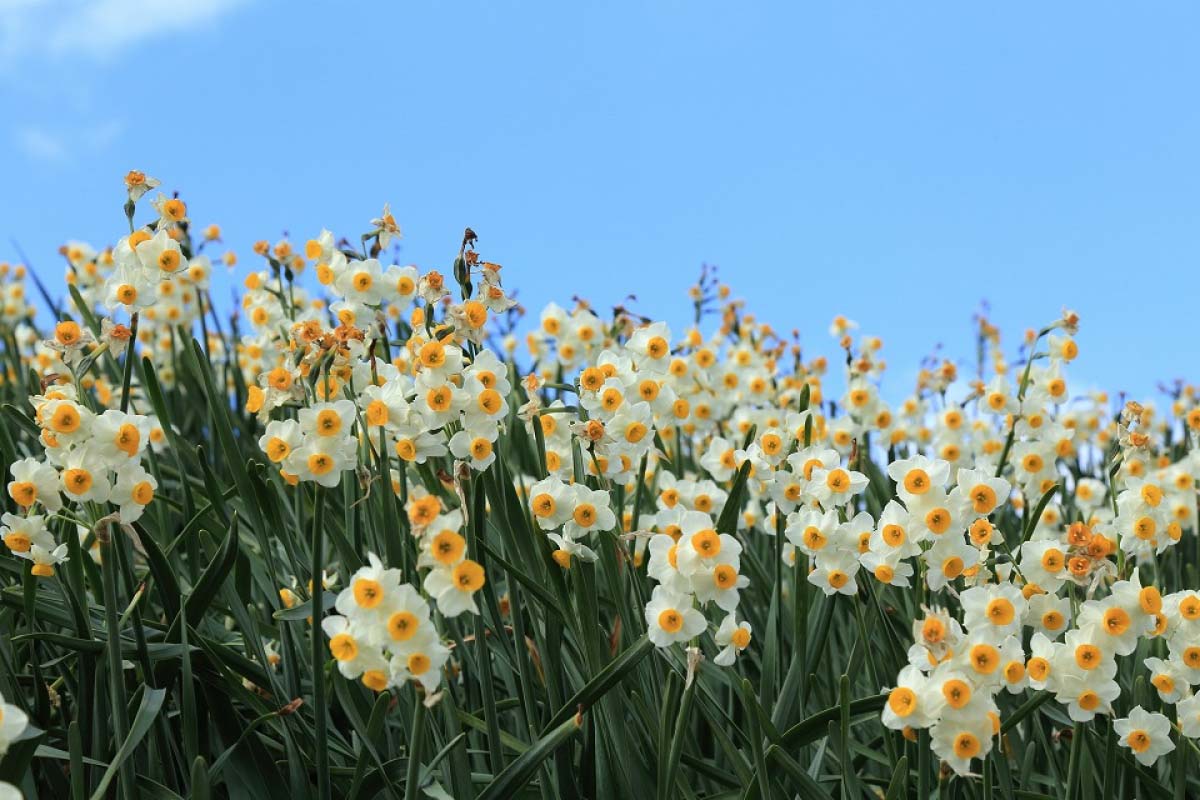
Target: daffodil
<point>566,549</point>
<point>348,646</point>
<point>137,183</point>
<point>43,558</point>
<point>385,227</point>
<point>133,490</point>
<point>423,665</point>
<point>1187,711</point>
<point>161,255</point>
<point>732,637</point>
<point>454,588</point>
<point>671,618</point>
<point>20,534</point>
<point>549,500</point>
<point>1146,734</point>
<point>12,724</point>
<point>476,444</point>
<point>591,510</point>
<point>370,597</point>
<point>960,738</point>
<point>34,482</point>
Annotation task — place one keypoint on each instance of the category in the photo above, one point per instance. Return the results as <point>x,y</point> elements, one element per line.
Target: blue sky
<point>896,163</point>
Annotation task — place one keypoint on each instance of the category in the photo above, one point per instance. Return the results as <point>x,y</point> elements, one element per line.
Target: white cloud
<point>97,28</point>
<point>56,44</point>
<point>102,134</point>
<point>41,144</point>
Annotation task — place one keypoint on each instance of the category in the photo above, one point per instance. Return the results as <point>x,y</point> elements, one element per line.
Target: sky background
<point>895,163</point>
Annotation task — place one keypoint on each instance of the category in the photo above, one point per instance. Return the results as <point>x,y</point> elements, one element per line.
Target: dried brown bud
<point>292,707</point>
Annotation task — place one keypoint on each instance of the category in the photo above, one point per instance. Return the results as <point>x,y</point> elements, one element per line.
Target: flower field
<point>378,532</point>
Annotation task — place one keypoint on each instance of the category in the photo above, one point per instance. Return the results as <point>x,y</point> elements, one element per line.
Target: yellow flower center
<point>128,439</point>
<point>468,576</point>
<point>142,493</point>
<point>983,499</point>
<point>18,542</point>
<point>838,480</point>
<point>1138,740</point>
<point>447,547</point>
<point>375,679</point>
<point>418,663</point>
<point>403,625</point>
<point>670,620</point>
<point>328,422</point>
<point>1087,656</point>
<point>725,576</point>
<point>320,464</point>
<point>956,692</point>
<point>343,647</point>
<point>543,505</point>
<point>1000,611</point>
<point>278,449</point>
<point>377,413</point>
<point>367,593</point>
<point>902,701</point>
<point>740,638</point>
<point>966,745</point>
<point>707,543</point>
<point>584,515</point>
<point>917,481</point>
<point>77,481</point>
<point>1116,621</point>
<point>65,419</point>
<point>23,493</point>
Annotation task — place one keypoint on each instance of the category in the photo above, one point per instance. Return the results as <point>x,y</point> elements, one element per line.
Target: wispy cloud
<point>61,43</point>
<point>102,134</point>
<point>40,144</point>
<point>97,28</point>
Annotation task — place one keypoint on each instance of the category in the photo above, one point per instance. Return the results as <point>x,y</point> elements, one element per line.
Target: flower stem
<point>320,710</point>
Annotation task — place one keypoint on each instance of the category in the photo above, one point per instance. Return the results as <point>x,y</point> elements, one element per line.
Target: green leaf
<point>213,576</point>
<point>152,700</point>
<point>302,611</point>
<point>518,773</point>
<point>666,787</point>
<point>816,726</point>
<point>1028,707</point>
<point>1032,520</point>
<point>899,783</point>
<point>605,679</point>
<point>727,522</point>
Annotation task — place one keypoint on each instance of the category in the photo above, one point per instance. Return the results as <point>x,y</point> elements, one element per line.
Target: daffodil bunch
<point>383,634</point>
<point>347,537</point>
<point>15,308</point>
<point>91,458</point>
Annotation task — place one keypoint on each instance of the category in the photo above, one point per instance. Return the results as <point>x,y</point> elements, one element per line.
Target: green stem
<point>1073,763</point>
<point>415,739</point>
<point>129,359</point>
<point>116,675</point>
<point>320,711</point>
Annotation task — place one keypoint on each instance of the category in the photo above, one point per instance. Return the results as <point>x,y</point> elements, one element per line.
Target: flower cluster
<point>959,475</point>
<point>15,309</point>
<point>1025,528</point>
<point>158,272</point>
<point>694,566</point>
<point>90,458</point>
<point>1023,623</point>
<point>452,579</point>
<point>574,510</point>
<point>383,634</point>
